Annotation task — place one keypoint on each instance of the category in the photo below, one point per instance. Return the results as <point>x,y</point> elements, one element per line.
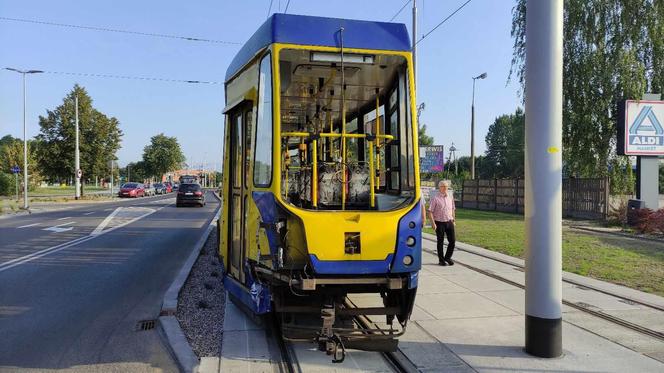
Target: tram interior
<point>365,162</point>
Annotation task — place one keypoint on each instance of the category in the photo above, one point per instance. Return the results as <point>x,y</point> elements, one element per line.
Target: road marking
<point>58,229</point>
<point>29,225</point>
<point>105,222</point>
<point>89,213</point>
<point>30,257</point>
<point>68,217</point>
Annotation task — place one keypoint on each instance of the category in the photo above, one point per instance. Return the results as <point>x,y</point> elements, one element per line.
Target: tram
<point>320,192</point>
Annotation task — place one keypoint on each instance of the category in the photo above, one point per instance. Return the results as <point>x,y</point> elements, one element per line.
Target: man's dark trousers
<point>445,228</point>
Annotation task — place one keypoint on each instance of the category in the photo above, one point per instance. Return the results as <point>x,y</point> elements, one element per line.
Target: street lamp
<point>472,128</point>
<point>25,138</point>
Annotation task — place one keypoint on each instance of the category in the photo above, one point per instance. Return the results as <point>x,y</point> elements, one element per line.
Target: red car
<point>134,190</point>
<point>169,186</point>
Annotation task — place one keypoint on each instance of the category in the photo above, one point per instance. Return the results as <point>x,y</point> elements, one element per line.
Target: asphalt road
<point>74,284</point>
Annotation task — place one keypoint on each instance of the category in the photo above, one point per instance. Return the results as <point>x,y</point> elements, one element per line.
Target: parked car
<point>159,188</point>
<point>169,186</point>
<point>149,190</point>
<point>190,194</point>
<point>132,190</point>
<point>176,186</point>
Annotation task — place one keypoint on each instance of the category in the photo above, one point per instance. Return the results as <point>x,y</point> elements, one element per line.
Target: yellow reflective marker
<point>553,149</point>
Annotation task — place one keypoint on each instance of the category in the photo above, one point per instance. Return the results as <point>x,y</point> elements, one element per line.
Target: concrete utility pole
<point>472,128</point>
<point>77,160</point>
<point>543,175</point>
<point>25,135</point>
<point>415,43</point>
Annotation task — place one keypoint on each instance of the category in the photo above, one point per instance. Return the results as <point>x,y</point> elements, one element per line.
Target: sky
<point>475,40</point>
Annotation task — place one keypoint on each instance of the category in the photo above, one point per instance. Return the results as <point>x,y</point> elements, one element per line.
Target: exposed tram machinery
<point>321,194</point>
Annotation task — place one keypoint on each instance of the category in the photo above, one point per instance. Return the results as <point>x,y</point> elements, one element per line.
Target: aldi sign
<point>641,128</point>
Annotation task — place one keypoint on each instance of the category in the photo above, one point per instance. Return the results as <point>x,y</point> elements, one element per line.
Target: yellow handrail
<point>377,132</point>
<point>335,135</point>
<point>371,177</point>
<point>314,176</point>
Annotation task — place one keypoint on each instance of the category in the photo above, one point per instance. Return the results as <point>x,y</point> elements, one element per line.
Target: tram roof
<point>321,31</point>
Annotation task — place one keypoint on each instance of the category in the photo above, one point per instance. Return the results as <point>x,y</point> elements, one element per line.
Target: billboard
<point>432,158</point>
<point>641,127</point>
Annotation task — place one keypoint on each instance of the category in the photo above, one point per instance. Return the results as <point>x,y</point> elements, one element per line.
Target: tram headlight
<point>407,260</point>
<point>410,241</point>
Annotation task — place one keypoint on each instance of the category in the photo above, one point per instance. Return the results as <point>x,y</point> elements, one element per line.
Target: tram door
<point>240,121</point>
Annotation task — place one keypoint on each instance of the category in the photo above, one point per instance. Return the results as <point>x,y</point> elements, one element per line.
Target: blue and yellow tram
<point>321,194</point>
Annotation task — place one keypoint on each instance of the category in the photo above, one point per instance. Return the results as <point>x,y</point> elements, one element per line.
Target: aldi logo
<point>642,131</point>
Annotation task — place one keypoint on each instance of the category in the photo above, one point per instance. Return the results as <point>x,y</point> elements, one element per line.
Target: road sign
<point>432,158</point>
<point>16,169</point>
<point>641,128</point>
<point>79,173</point>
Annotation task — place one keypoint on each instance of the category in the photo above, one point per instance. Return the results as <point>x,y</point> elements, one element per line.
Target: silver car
<point>149,190</point>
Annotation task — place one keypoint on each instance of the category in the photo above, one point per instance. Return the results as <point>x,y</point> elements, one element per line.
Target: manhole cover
<point>145,325</point>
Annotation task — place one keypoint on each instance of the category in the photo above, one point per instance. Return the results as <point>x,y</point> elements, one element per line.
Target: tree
<point>505,145</point>
<point>11,154</point>
<point>422,138</point>
<point>134,171</point>
<point>612,50</point>
<point>163,154</point>
<point>99,138</point>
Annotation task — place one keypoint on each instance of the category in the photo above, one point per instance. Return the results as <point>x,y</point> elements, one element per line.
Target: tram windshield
<point>346,136</point>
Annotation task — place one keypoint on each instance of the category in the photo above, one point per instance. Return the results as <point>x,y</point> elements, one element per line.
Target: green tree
<point>612,50</point>
<point>11,154</point>
<point>134,171</point>
<point>162,155</point>
<point>422,138</point>
<point>505,145</point>
<point>99,138</point>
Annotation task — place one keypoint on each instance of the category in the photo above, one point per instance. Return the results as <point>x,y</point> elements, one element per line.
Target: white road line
<point>58,229</point>
<point>89,213</point>
<point>105,222</point>
<point>29,225</point>
<point>68,217</point>
<point>28,258</point>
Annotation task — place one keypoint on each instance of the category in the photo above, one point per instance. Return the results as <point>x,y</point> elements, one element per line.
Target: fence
<point>582,198</point>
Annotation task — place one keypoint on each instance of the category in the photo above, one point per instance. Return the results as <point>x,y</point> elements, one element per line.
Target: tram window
<point>263,149</point>
<point>312,105</point>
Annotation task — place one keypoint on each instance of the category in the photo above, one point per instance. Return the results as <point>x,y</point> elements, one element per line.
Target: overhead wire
<point>400,10</point>
<point>107,29</point>
<point>286,9</point>
<point>443,21</point>
<point>269,9</point>
<point>129,77</point>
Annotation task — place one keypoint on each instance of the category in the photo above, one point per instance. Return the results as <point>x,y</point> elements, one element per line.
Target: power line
<point>400,10</point>
<point>106,29</point>
<point>443,21</point>
<point>128,77</point>
<point>287,4</point>
<point>269,9</point>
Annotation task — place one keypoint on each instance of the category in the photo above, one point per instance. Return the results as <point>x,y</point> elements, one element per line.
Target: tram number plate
<point>352,243</point>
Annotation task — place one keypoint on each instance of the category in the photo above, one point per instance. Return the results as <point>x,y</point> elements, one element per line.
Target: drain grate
<point>145,325</point>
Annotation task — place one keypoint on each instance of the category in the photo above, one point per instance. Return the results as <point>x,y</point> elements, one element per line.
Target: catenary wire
<point>106,29</point>
<point>400,10</point>
<point>269,9</point>
<point>286,9</point>
<point>443,21</point>
<point>129,77</point>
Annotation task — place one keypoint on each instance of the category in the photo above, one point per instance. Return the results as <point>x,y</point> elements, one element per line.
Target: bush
<point>650,221</point>
<point>6,184</point>
<point>618,214</point>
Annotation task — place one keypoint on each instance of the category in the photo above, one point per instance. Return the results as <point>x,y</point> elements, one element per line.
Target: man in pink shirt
<point>442,213</point>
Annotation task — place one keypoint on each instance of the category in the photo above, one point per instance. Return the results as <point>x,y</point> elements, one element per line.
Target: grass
<point>63,190</point>
<point>637,264</point>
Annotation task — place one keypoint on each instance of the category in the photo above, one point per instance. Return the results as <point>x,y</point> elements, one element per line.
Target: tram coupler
<point>327,340</point>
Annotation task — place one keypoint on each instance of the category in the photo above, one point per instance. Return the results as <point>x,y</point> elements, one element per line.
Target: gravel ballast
<point>201,302</point>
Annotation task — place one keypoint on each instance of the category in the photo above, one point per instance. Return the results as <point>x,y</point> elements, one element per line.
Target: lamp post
<point>77,159</point>
<point>472,128</point>
<point>25,137</point>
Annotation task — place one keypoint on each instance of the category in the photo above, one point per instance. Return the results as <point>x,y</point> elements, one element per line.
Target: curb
<point>169,327</point>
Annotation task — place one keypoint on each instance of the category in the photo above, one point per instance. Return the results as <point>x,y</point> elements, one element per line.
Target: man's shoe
<point>450,261</point>
<point>442,263</point>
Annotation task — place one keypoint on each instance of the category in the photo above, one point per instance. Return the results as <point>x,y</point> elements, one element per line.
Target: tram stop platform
<point>470,318</point>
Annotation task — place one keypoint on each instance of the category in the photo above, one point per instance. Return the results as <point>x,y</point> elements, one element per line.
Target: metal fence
<point>582,198</point>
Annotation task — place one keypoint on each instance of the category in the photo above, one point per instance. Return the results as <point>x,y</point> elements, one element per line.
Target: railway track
<point>579,306</point>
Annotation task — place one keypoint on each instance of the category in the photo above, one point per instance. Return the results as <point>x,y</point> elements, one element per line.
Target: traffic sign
<point>15,169</point>
<point>79,173</point>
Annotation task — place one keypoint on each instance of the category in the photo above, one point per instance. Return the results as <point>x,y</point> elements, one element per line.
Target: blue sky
<point>475,40</point>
